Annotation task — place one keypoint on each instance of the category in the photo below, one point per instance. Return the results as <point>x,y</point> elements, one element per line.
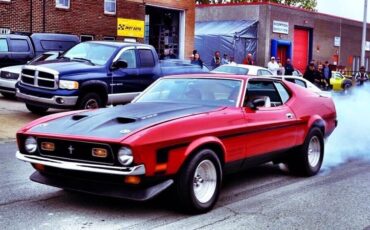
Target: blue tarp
<point>234,38</point>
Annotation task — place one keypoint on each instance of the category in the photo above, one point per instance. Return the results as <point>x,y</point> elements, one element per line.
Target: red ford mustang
<point>183,132</point>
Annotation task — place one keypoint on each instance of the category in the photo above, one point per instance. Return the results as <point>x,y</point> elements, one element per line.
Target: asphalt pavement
<point>260,198</point>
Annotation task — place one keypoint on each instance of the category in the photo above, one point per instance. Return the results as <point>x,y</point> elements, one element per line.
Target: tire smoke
<point>351,139</point>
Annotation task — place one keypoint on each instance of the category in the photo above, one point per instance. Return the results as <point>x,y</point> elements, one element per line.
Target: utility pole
<point>364,27</point>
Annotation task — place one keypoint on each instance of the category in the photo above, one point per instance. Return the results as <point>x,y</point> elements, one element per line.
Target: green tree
<point>305,4</point>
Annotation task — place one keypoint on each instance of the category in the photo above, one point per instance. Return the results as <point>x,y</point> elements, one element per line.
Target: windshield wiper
<point>83,59</point>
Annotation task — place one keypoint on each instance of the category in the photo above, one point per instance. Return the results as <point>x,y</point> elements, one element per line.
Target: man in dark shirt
<point>288,67</point>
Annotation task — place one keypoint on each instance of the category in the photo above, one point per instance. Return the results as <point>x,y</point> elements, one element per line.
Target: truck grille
<point>39,78</point>
<point>9,75</point>
<point>75,151</point>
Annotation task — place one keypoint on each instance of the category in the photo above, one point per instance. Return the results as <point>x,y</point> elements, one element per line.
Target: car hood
<point>119,121</point>
<point>66,67</point>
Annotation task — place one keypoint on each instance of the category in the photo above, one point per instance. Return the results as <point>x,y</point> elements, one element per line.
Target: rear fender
<point>316,121</point>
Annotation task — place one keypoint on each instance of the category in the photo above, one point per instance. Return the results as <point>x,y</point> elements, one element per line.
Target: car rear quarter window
<point>146,58</point>
<point>19,45</point>
<point>284,94</point>
<point>3,45</point>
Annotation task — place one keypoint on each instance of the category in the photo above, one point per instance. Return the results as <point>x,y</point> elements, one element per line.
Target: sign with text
<point>337,41</point>
<point>280,27</point>
<point>130,28</point>
<point>367,46</point>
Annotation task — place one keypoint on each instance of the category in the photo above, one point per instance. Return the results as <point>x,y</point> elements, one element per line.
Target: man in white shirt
<point>273,66</point>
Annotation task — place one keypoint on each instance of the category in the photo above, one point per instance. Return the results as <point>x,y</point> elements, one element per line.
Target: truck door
<point>149,69</point>
<point>125,80</point>
<point>21,50</point>
<point>5,55</point>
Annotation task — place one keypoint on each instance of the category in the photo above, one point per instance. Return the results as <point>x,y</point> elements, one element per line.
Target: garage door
<point>300,52</point>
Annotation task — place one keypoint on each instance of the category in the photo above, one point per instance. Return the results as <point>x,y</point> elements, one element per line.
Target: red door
<point>281,53</point>
<point>300,51</point>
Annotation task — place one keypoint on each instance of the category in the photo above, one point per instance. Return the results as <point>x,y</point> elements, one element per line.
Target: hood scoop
<point>78,117</point>
<point>125,120</point>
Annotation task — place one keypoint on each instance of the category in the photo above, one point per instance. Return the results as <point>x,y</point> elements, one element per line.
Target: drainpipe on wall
<point>31,18</point>
<point>43,15</point>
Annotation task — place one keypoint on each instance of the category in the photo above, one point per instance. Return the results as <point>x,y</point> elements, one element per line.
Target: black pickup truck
<point>94,74</point>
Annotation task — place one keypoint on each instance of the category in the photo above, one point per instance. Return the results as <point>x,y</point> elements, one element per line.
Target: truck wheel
<point>198,183</point>
<point>37,109</point>
<point>89,101</point>
<point>8,95</point>
<point>306,160</point>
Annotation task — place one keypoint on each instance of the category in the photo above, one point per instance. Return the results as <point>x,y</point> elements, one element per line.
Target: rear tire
<point>37,109</point>
<point>307,159</point>
<point>90,101</point>
<point>199,181</point>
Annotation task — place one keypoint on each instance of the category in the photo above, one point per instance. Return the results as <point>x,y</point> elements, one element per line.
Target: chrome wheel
<point>205,181</point>
<point>314,151</point>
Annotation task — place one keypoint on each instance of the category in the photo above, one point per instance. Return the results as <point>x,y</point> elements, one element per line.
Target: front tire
<point>37,109</point>
<point>307,159</point>
<point>198,184</point>
<point>90,101</point>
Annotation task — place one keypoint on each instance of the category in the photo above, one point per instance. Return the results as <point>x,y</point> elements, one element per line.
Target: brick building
<point>295,33</point>
<point>168,25</point>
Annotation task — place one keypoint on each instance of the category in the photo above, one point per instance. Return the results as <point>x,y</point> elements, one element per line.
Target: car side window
<point>284,94</point>
<point>146,58</point>
<point>3,45</point>
<point>264,89</point>
<point>19,45</point>
<point>129,57</point>
<point>301,83</point>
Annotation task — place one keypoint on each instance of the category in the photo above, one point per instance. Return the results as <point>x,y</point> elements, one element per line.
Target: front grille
<point>75,151</point>
<point>40,79</point>
<point>9,75</point>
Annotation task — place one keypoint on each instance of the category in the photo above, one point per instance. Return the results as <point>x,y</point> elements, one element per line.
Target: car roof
<point>117,44</point>
<point>245,66</point>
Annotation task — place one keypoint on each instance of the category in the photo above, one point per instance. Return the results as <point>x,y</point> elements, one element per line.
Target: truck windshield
<point>96,54</point>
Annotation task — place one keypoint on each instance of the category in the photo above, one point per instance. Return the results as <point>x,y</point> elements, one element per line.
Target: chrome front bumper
<point>68,101</point>
<point>105,169</point>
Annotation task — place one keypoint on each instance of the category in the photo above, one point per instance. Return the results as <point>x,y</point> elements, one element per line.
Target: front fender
<point>206,142</point>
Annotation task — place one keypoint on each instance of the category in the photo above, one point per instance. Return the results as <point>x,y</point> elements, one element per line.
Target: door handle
<point>289,116</point>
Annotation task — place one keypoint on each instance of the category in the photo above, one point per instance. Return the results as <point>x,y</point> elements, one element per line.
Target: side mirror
<point>257,102</point>
<point>119,64</point>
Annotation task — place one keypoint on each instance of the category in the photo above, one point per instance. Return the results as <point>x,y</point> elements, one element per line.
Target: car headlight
<point>125,156</point>
<point>64,84</point>
<point>30,145</point>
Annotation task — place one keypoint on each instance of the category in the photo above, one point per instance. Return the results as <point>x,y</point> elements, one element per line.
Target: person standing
<point>289,68</point>
<point>326,72</point>
<point>273,66</point>
<point>196,60</point>
<point>361,76</point>
<point>216,60</point>
<point>225,60</point>
<point>248,60</point>
<point>312,75</point>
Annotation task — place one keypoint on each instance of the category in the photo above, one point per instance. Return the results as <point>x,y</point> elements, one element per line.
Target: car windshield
<point>232,70</point>
<point>96,54</point>
<point>201,91</point>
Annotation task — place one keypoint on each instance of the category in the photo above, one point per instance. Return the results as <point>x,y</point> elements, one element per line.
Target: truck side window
<point>146,58</point>
<point>3,45</point>
<point>129,57</point>
<point>19,45</point>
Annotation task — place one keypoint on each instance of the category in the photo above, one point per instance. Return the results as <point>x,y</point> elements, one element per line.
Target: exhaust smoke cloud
<point>351,139</point>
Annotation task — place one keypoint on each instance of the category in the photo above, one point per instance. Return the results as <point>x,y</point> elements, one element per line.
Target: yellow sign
<point>130,28</point>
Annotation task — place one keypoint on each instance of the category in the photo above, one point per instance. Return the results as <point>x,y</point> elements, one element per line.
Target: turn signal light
<point>48,146</point>
<point>161,167</point>
<point>132,180</point>
<point>39,167</point>
<point>99,152</point>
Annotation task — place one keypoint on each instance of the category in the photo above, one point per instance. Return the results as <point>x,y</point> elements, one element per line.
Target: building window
<point>64,4</point>
<point>4,1</point>
<point>108,38</point>
<point>4,31</point>
<point>110,6</point>
<point>84,38</point>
